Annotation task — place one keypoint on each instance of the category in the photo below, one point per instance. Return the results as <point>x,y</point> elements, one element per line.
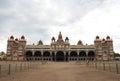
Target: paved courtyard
<point>62,71</point>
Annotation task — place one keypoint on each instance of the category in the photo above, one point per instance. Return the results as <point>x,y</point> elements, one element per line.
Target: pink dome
<point>16,39</point>
<point>22,37</point>
<point>103,39</point>
<point>108,37</point>
<point>12,37</point>
<point>97,37</point>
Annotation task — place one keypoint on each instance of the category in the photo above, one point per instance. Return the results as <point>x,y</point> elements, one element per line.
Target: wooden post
<point>15,67</point>
<point>103,66</point>
<point>0,69</point>
<point>21,67</point>
<point>95,65</point>
<point>9,70</point>
<point>117,68</point>
<point>109,67</point>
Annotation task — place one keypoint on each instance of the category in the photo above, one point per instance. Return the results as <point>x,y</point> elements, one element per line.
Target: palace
<point>59,50</point>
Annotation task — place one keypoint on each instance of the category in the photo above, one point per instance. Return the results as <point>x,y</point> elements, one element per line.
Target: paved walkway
<point>62,71</point>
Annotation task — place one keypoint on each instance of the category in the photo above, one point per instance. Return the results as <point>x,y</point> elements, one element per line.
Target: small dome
<point>16,39</point>
<point>66,38</point>
<point>12,37</point>
<point>40,43</point>
<point>22,37</point>
<point>79,42</point>
<point>97,37</point>
<point>108,37</point>
<point>53,38</point>
<point>103,39</point>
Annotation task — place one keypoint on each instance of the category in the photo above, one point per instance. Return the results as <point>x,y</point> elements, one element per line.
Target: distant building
<point>2,56</point>
<point>59,50</point>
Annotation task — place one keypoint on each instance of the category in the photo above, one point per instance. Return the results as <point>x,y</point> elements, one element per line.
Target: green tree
<point>116,54</point>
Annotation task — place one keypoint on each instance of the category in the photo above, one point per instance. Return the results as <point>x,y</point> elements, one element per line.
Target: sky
<point>76,19</point>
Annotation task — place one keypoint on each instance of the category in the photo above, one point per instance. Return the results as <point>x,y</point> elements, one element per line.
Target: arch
<point>46,54</point>
<point>91,54</point>
<point>29,54</point>
<point>82,54</point>
<point>37,54</point>
<point>59,56</point>
<point>73,54</point>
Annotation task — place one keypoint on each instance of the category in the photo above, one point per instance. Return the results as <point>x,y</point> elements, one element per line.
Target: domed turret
<point>40,43</point>
<point>22,37</point>
<point>16,39</point>
<point>12,37</point>
<point>97,37</point>
<point>66,38</point>
<point>108,37</point>
<point>53,38</point>
<point>60,40</point>
<point>79,42</point>
<point>103,39</point>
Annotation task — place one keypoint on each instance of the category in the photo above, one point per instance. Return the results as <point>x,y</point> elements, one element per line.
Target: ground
<point>63,71</point>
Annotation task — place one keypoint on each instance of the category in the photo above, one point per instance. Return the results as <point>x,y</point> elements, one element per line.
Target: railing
<point>111,66</point>
<point>10,67</point>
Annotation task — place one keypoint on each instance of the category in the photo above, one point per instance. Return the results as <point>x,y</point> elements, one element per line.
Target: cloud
<point>42,19</point>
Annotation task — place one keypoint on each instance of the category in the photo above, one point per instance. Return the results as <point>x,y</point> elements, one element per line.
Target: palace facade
<point>59,50</point>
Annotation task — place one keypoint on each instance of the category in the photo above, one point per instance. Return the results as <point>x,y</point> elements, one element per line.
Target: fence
<point>8,68</point>
<point>112,66</point>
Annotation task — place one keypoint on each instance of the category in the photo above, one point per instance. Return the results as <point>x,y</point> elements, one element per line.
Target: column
<point>51,56</point>
<point>87,55</point>
<point>68,56</point>
<point>77,55</point>
<point>42,55</point>
<point>55,56</point>
<point>64,56</point>
<point>33,55</point>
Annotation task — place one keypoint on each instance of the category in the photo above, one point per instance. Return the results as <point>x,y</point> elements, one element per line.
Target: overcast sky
<point>43,19</point>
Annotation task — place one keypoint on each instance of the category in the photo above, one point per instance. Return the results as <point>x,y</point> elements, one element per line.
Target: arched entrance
<point>73,56</point>
<point>46,56</point>
<point>37,55</point>
<point>29,55</point>
<point>60,56</point>
<point>91,55</point>
<point>82,55</point>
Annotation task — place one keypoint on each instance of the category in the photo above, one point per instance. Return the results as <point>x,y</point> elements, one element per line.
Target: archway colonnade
<point>59,55</point>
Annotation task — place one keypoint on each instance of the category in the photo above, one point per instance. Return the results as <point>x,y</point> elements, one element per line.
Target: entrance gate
<point>60,56</point>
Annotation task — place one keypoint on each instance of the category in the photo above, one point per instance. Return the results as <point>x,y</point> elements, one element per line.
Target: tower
<point>98,48</point>
<point>16,48</point>
<point>110,48</point>
<point>104,48</point>
<point>60,40</point>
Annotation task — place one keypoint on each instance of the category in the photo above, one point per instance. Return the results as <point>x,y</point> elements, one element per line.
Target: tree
<point>116,54</point>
